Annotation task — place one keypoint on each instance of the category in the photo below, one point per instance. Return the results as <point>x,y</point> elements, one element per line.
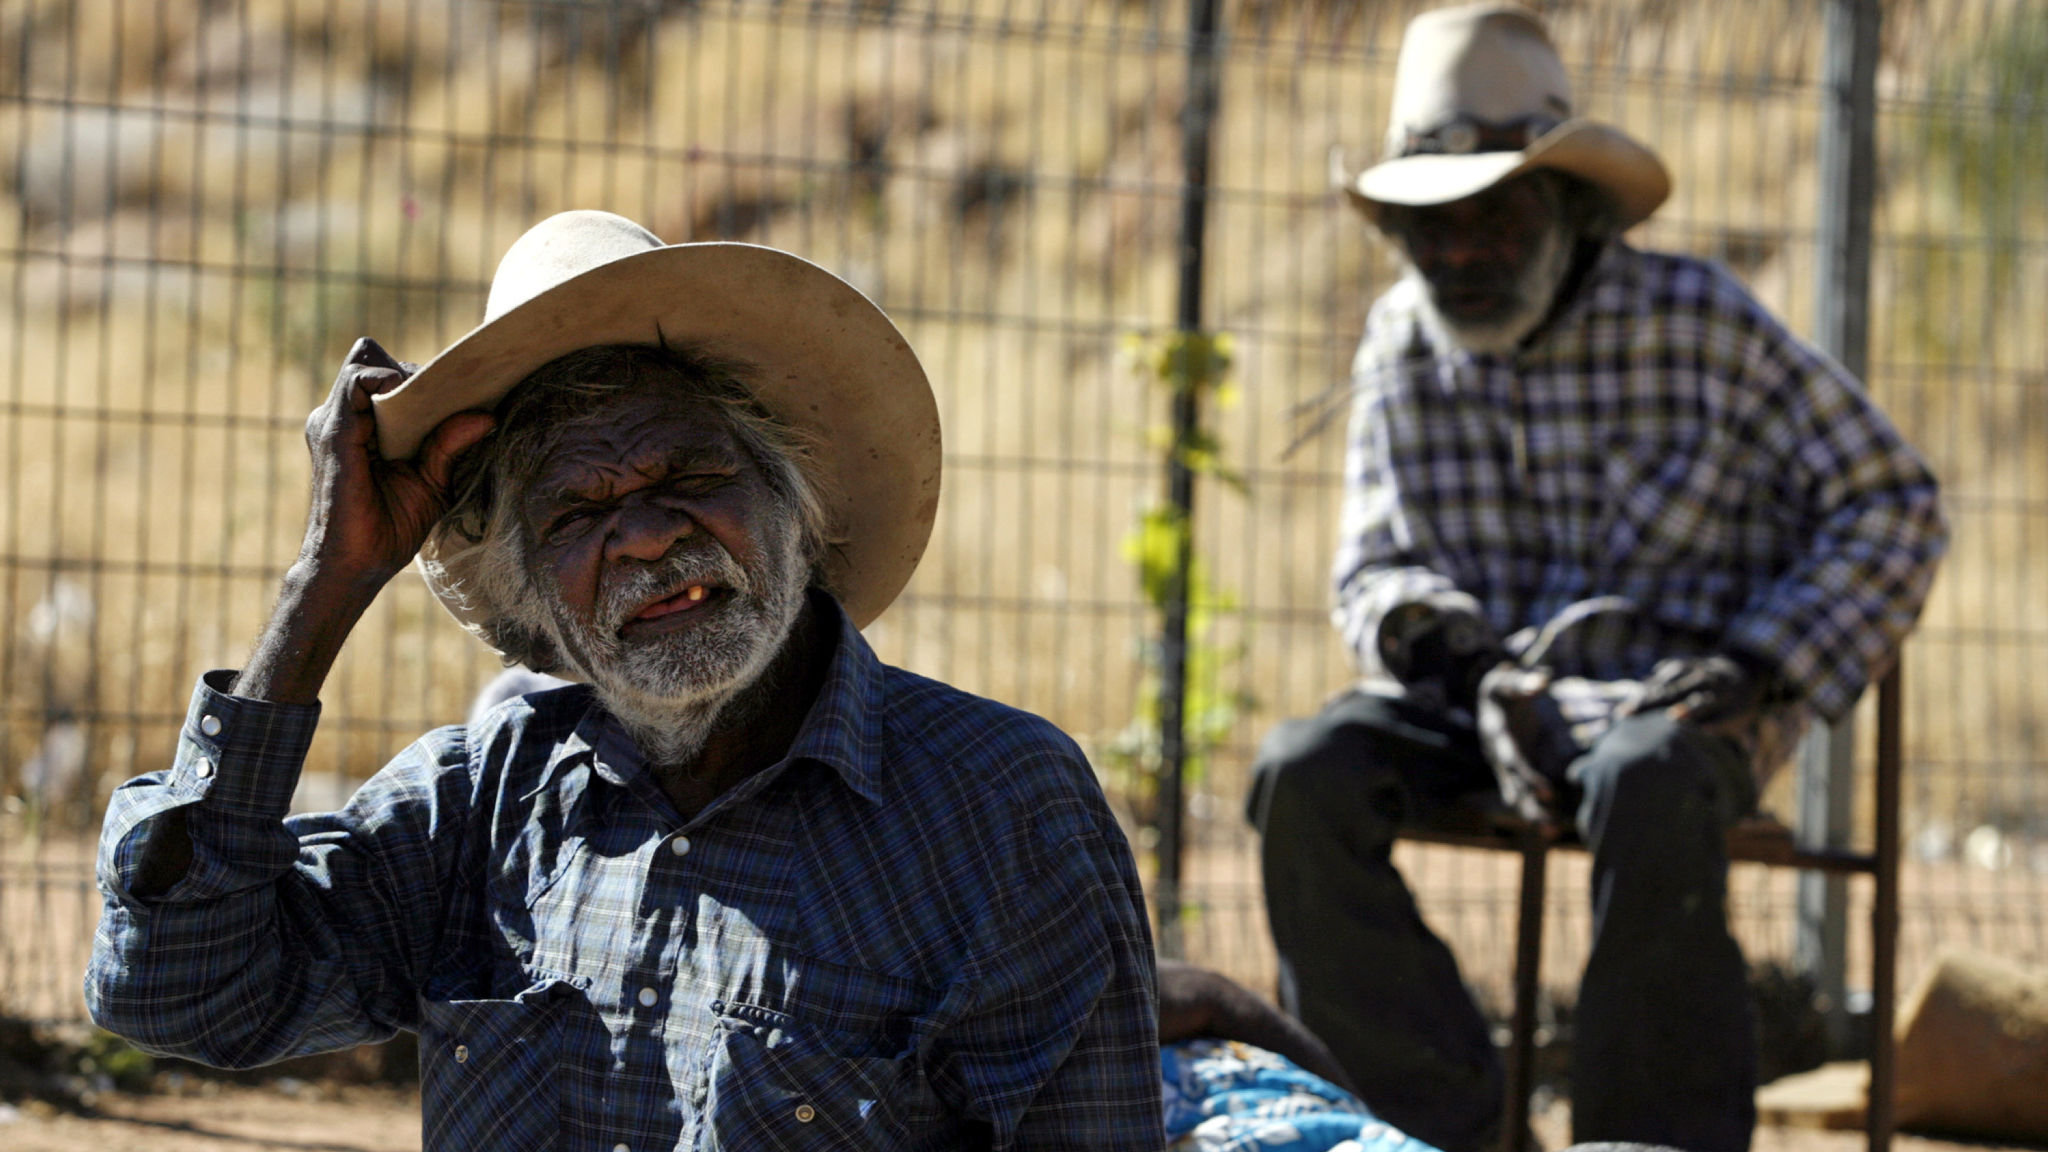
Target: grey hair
<point>481,542</point>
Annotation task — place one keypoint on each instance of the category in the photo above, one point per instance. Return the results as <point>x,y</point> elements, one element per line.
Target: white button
<point>204,769</point>
<point>462,1053</point>
<point>680,845</point>
<point>805,1113</point>
<point>620,1148</point>
<point>210,725</point>
<point>648,996</point>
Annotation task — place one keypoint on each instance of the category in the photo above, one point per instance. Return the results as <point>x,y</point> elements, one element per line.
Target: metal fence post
<point>1848,166</point>
<point>1198,116</point>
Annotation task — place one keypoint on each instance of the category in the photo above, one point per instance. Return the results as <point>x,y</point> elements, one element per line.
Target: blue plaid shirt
<point>1664,440</point>
<point>922,929</point>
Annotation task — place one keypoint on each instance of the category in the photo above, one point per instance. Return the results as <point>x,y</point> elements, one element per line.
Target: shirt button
<point>648,996</point>
<point>210,725</point>
<point>621,1148</point>
<point>462,1053</point>
<point>203,769</point>
<point>805,1113</point>
<point>680,845</point>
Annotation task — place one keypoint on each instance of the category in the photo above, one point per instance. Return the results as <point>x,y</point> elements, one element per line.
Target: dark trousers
<point>1664,1048</point>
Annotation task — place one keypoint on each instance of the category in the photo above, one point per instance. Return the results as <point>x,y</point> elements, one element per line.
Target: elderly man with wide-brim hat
<point>1611,536</point>
<point>740,886</point>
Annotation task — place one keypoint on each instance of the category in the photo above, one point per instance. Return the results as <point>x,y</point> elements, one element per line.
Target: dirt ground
<point>291,1116</point>
<point>209,1117</point>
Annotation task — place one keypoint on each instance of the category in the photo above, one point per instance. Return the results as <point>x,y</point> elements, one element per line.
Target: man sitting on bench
<point>1611,536</point>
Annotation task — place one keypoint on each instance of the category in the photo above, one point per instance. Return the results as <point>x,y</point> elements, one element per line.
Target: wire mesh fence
<point>206,201</point>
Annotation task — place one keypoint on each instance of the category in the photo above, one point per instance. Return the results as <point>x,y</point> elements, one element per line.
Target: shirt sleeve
<point>1382,551</point>
<point>285,936</point>
<point>1059,1048</point>
<point>1833,621</point>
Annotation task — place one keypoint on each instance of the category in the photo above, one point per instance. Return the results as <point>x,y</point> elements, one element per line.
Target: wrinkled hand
<point>1525,740</point>
<point>1703,689</point>
<point>1439,647</point>
<point>369,515</point>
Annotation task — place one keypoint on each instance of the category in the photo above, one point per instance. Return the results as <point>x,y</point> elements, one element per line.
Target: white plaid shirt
<point>1665,440</point>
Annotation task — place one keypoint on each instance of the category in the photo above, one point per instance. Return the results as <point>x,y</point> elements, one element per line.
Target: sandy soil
<point>289,1117</point>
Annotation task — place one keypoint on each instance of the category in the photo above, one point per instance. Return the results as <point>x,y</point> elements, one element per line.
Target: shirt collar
<point>843,729</point>
<point>1606,287</point>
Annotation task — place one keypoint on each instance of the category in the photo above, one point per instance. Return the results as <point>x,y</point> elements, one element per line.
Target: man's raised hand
<point>368,518</point>
<point>369,515</point>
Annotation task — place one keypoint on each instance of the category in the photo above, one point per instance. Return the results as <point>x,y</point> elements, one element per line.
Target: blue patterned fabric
<point>922,929</point>
<point>1664,440</point>
<point>1228,1096</point>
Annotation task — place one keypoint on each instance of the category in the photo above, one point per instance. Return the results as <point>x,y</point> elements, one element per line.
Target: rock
<point>1973,1049</point>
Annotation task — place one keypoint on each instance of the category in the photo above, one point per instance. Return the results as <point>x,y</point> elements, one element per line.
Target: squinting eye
<point>572,523</point>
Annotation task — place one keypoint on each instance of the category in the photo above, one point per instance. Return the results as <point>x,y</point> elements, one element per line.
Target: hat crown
<point>560,248</point>
<point>1491,62</point>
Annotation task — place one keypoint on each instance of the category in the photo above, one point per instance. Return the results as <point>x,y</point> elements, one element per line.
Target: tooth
<point>694,592</point>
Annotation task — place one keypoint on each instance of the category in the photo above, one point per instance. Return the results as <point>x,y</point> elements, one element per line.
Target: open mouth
<point>690,599</point>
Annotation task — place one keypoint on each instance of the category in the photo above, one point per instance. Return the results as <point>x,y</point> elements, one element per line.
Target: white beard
<point>669,692</point>
<point>1536,289</point>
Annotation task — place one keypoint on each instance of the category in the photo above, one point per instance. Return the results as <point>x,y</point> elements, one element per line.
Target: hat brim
<point>820,356</point>
<point>1595,152</point>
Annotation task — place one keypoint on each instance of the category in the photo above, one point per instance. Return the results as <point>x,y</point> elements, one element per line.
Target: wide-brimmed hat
<point>817,354</point>
<point>1480,95</point>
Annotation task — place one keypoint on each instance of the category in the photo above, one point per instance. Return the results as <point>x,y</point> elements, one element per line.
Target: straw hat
<point>820,357</point>
<point>1480,95</point>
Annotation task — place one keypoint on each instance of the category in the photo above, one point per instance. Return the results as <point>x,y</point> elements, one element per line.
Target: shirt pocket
<point>488,1070</point>
<point>837,1067</point>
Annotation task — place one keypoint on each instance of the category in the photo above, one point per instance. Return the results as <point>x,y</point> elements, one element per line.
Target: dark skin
<point>1472,251</point>
<point>367,520</point>
<point>654,478</point>
<point>1195,1003</point>
<point>651,479</point>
